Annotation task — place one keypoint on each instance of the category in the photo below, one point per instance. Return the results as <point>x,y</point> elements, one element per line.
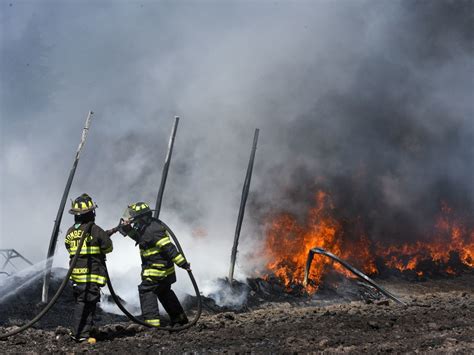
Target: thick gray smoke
<point>371,100</point>
<point>395,141</point>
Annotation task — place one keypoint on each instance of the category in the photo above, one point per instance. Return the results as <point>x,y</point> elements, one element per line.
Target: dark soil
<point>438,318</point>
<point>24,304</point>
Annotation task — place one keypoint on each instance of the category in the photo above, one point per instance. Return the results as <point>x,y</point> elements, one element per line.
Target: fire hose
<point>114,295</point>
<point>56,295</point>
<point>191,276</point>
<point>349,267</point>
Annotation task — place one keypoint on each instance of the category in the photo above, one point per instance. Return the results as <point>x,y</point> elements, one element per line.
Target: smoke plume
<point>370,100</point>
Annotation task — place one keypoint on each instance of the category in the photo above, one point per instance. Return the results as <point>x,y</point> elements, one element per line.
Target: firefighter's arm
<point>171,252</point>
<point>123,227</point>
<point>126,229</point>
<point>105,242</point>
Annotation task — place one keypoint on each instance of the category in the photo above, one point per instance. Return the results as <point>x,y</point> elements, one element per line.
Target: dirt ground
<point>438,318</point>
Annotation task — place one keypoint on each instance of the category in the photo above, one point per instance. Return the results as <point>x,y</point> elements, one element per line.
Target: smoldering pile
<point>270,291</point>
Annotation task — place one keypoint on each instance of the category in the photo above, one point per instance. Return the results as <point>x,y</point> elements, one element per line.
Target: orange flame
<point>288,242</point>
<point>450,236</point>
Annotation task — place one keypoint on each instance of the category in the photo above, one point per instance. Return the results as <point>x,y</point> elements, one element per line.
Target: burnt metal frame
<point>349,267</point>
<point>9,254</point>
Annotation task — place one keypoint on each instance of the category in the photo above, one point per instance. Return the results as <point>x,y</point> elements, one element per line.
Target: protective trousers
<point>86,296</point>
<point>149,291</point>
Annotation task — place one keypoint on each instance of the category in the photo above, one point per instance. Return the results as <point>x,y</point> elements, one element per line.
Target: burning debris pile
<point>271,291</point>
<point>449,250</point>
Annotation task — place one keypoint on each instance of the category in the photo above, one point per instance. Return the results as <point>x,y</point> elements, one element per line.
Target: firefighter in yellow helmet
<point>89,273</point>
<point>158,257</point>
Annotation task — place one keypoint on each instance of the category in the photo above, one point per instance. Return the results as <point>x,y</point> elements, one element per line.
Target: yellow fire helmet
<point>135,210</point>
<point>82,205</point>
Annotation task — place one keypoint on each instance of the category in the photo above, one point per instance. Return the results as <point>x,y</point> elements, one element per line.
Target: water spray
<point>58,292</point>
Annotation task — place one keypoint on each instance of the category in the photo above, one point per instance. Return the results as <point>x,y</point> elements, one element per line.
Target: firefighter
<point>89,273</point>
<point>158,256</point>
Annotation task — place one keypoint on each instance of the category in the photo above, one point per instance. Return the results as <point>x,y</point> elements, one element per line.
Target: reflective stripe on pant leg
<point>153,322</point>
<point>148,301</point>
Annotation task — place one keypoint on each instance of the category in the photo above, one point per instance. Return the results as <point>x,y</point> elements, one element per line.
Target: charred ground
<point>438,318</point>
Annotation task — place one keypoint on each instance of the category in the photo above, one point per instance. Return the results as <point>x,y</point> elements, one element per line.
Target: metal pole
<point>166,167</point>
<point>59,215</point>
<point>243,201</point>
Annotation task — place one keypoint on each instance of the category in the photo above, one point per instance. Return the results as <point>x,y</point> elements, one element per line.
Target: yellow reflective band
<point>83,205</point>
<point>150,251</point>
<point>90,203</point>
<point>179,259</point>
<point>89,278</point>
<point>154,272</point>
<point>81,270</point>
<point>153,322</point>
<point>76,206</point>
<point>163,242</point>
<point>139,207</point>
<point>85,250</point>
<point>158,265</point>
<point>158,273</point>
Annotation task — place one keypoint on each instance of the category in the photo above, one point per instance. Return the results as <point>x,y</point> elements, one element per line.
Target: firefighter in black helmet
<point>158,257</point>
<point>89,273</point>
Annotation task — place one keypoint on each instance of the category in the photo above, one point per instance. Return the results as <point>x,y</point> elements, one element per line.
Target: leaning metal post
<point>10,254</point>
<point>166,167</point>
<point>349,267</point>
<point>59,215</point>
<point>243,201</point>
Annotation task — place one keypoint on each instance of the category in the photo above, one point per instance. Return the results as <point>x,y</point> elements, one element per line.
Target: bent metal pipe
<point>349,267</point>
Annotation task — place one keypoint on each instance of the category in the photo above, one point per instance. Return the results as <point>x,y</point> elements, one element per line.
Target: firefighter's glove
<point>187,267</point>
<point>124,227</point>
